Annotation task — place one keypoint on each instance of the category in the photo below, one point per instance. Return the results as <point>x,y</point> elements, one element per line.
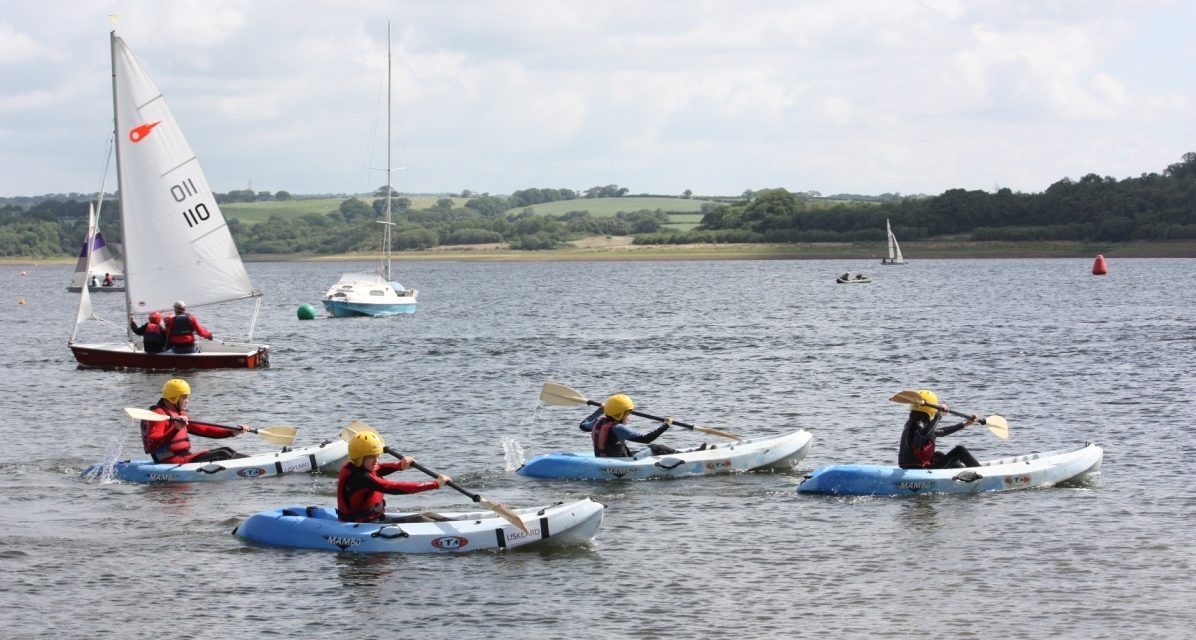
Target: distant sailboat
<point>177,245</point>
<point>101,262</point>
<point>374,294</point>
<point>894,248</point>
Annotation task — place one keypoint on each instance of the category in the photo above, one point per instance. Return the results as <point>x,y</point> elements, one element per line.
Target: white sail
<point>177,245</point>
<point>894,248</point>
<point>85,310</point>
<point>100,257</point>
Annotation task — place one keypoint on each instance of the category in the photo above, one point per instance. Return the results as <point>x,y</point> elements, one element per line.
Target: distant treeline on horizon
<point>1150,207</point>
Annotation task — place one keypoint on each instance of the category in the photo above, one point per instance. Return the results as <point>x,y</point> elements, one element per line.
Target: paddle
<point>997,424</point>
<point>503,510</point>
<point>280,435</point>
<point>559,395</point>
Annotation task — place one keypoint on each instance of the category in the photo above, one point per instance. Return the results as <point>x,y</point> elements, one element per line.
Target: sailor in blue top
<point>608,429</point>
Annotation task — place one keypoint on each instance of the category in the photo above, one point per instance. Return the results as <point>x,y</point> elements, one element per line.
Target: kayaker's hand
<point>406,461</point>
<point>244,428</point>
<point>668,422</point>
<point>971,419</point>
<point>182,419</point>
<point>443,480</point>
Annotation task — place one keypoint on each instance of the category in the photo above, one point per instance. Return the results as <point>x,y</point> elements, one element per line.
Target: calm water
<point>756,347</point>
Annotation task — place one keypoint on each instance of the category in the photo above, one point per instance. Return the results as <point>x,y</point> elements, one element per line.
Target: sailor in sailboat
<point>182,327</point>
<point>154,340</point>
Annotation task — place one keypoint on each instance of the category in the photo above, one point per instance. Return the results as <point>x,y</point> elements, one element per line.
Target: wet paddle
<point>997,424</point>
<point>280,435</point>
<point>559,395</point>
<point>503,510</point>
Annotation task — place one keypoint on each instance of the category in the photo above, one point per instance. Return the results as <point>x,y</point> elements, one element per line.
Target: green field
<point>255,212</point>
<point>608,207</point>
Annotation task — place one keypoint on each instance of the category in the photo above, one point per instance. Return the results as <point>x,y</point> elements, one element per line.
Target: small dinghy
<point>319,528</point>
<point>858,278</point>
<point>1071,466</point>
<point>777,452</point>
<point>327,456</point>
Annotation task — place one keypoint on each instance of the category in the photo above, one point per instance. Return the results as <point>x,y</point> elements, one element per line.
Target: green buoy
<point>306,312</point>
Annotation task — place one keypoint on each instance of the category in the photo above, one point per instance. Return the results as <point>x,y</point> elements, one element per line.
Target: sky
<point>658,96</point>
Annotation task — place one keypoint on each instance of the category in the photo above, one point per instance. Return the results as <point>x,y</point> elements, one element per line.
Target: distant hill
<point>608,207</point>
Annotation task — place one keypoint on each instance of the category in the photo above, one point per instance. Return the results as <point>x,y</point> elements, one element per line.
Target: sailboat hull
<point>97,289</point>
<point>213,356</point>
<point>345,309</point>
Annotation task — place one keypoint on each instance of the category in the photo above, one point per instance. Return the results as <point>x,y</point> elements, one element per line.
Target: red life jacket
<point>182,329</point>
<point>179,443</point>
<point>606,445</point>
<point>925,453</point>
<point>360,504</point>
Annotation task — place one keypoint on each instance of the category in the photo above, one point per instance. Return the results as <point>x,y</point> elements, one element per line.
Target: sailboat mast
<point>386,233</point>
<point>120,191</point>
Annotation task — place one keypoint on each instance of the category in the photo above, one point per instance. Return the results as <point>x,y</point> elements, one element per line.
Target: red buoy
<point>1098,267</point>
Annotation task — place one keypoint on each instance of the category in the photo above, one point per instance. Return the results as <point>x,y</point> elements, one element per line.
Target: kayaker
<point>359,487</point>
<point>921,430</point>
<point>182,328</point>
<point>169,440</point>
<point>154,333</point>
<point>608,429</point>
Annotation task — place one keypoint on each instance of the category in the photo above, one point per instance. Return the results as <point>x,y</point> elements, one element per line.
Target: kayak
<point>776,452</point>
<point>328,456</point>
<point>319,528</point>
<point>1073,466</point>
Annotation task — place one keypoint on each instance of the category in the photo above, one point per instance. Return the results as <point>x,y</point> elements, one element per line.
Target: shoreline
<point>620,249</point>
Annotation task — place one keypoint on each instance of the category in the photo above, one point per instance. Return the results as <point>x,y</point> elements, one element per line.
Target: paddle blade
<point>716,432</point>
<point>998,425</point>
<point>907,397</point>
<point>355,427</point>
<point>558,395</point>
<point>280,435</point>
<point>144,414</point>
<point>505,512</point>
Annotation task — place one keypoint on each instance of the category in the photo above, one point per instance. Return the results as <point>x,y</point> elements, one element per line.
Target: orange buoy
<point>1098,266</point>
<point>23,274</point>
<point>21,301</point>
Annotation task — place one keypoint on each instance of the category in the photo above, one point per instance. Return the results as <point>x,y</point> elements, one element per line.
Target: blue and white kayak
<point>776,452</point>
<point>327,456</point>
<point>1071,466</point>
<point>319,528</point>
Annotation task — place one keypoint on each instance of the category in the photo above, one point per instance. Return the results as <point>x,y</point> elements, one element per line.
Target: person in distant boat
<point>846,276</point>
<point>109,280</point>
<point>860,276</point>
<point>95,282</point>
<point>182,328</point>
<point>169,440</point>
<point>921,430</point>
<point>360,487</point>
<point>608,429</point>
<point>154,333</point>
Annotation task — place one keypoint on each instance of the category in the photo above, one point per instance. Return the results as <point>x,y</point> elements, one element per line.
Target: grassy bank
<point>620,248</point>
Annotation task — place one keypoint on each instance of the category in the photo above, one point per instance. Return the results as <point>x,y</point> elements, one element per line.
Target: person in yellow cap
<point>921,430</point>
<point>608,429</point>
<point>169,440</point>
<point>360,487</point>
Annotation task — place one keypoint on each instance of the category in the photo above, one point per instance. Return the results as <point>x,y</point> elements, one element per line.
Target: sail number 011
<point>196,214</point>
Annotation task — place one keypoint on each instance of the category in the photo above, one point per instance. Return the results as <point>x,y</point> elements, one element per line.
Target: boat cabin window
<point>377,292</point>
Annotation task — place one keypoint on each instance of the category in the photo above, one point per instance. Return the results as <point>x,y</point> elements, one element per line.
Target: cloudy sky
<point>657,96</point>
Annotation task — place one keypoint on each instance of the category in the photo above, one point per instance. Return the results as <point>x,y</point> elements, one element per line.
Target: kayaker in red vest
<point>360,489</point>
<point>154,333</point>
<point>921,430</point>
<point>182,327</point>
<point>169,441</point>
<point>608,429</point>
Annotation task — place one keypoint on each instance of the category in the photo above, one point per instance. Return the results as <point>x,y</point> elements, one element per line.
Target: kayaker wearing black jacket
<point>608,429</point>
<point>917,439</point>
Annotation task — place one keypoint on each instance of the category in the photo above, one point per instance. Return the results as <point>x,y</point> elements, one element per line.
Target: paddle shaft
<point>648,416</point>
<point>472,496</point>
<point>954,412</point>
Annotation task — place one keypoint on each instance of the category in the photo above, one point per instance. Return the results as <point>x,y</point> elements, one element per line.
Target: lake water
<point>754,347</point>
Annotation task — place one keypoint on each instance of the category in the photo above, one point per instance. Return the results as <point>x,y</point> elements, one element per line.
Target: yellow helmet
<point>175,388</point>
<point>617,406</point>
<point>929,398</point>
<point>366,443</point>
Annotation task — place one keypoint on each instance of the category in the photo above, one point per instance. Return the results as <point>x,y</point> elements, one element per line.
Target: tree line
<point>1154,206</point>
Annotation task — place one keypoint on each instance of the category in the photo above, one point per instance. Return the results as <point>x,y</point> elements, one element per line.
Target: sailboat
<point>177,245</point>
<point>374,294</point>
<point>103,264</point>
<point>894,248</point>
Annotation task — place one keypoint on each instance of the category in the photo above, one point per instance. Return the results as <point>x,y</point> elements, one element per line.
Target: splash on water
<point>103,470</point>
<point>512,453</point>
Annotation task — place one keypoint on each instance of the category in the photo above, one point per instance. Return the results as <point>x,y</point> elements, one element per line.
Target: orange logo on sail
<point>139,133</point>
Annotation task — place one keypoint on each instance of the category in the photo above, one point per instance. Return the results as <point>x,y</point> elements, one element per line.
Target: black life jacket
<point>155,338</point>
<point>181,326</point>
<point>606,444</point>
<point>910,455</point>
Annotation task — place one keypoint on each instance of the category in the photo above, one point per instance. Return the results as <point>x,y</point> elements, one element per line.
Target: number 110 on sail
<point>183,191</point>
